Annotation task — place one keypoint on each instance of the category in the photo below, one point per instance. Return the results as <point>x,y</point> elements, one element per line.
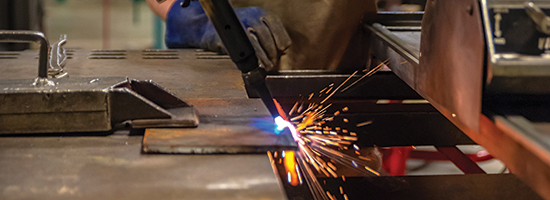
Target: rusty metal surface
<point>452,48</point>
<point>227,126</point>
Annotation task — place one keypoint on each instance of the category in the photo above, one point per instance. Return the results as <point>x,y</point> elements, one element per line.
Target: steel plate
<point>227,126</point>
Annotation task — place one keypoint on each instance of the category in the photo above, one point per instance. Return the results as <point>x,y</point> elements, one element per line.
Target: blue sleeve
<point>190,27</point>
<point>185,27</point>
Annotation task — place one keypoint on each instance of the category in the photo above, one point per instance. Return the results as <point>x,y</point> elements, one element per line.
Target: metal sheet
<point>452,48</point>
<point>227,126</point>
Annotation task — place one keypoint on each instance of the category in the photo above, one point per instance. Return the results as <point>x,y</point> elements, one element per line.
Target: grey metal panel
<point>227,126</point>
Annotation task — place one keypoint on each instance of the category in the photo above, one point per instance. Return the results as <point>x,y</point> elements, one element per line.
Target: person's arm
<point>160,7</point>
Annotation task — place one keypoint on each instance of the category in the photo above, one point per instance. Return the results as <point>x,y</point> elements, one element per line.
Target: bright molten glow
<point>282,124</point>
<point>291,168</point>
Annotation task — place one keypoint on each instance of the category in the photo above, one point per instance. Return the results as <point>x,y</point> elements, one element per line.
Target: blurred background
<point>106,24</point>
<point>89,24</point>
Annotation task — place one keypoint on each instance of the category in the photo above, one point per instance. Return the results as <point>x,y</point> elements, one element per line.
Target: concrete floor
<point>131,27</point>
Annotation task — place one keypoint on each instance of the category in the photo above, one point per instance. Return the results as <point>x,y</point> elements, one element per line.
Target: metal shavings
<point>364,123</point>
<point>310,96</point>
<point>371,72</point>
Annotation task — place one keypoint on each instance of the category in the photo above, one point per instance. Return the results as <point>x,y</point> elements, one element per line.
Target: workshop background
<point>122,38</point>
<point>130,24</point>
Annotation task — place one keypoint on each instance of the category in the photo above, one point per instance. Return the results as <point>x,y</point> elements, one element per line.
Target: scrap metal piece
<point>227,126</point>
<point>58,58</point>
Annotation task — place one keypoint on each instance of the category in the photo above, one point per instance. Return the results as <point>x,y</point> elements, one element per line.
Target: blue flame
<point>275,126</point>
<point>267,124</point>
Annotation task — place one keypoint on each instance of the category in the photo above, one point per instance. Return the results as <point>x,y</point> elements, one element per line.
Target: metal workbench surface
<point>112,166</point>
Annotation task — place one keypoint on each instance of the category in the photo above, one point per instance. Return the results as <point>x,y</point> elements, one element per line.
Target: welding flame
<point>282,124</point>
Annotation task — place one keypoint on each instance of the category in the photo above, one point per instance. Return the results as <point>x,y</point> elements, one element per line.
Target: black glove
<point>189,27</point>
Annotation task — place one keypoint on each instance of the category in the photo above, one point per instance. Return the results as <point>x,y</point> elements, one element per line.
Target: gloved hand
<point>190,27</point>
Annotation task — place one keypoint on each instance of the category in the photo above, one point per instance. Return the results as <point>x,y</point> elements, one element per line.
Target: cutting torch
<point>239,48</point>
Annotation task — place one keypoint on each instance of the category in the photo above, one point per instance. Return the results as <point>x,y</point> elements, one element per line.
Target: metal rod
<point>30,36</point>
<point>461,160</point>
